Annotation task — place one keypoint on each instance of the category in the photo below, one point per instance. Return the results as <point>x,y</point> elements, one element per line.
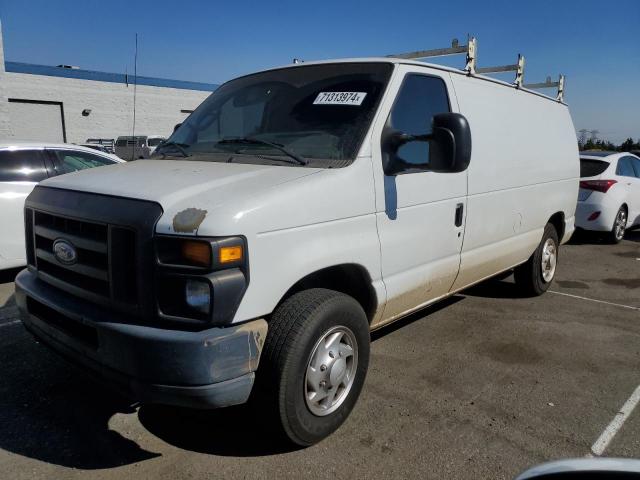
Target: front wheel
<point>314,363</point>
<point>535,275</point>
<point>619,226</point>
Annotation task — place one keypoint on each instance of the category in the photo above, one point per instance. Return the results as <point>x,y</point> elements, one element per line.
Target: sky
<point>593,43</point>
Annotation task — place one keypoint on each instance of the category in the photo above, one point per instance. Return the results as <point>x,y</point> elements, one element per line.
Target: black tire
<point>295,328</point>
<point>529,276</point>
<point>617,232</point>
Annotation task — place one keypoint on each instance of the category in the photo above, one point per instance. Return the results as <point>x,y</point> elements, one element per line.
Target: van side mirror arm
<point>450,146</point>
<point>398,139</point>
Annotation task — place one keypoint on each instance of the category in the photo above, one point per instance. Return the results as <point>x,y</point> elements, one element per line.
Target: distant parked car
<point>609,197</point>
<point>140,146</point>
<point>96,146</point>
<point>22,166</point>
<point>109,144</point>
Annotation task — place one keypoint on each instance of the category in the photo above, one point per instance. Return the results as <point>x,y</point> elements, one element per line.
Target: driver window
<point>419,99</point>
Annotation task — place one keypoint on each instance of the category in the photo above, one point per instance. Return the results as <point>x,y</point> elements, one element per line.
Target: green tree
<point>627,145</point>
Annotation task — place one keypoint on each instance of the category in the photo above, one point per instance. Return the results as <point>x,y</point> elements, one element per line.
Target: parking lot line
<point>605,438</point>
<point>594,300</point>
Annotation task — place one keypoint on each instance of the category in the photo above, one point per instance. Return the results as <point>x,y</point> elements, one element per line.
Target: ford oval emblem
<point>65,252</point>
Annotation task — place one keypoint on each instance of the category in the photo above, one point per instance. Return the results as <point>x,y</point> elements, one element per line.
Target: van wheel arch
<point>557,220</point>
<point>350,278</point>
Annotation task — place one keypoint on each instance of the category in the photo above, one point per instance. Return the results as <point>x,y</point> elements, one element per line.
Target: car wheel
<point>619,226</point>
<point>314,363</point>
<point>535,275</point>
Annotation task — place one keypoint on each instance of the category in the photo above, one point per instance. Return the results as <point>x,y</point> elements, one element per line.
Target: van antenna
<point>135,84</point>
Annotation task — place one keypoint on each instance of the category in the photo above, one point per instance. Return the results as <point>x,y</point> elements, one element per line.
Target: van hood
<point>172,182</point>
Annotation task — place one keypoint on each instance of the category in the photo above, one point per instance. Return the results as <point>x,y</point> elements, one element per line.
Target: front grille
<point>113,241</point>
<point>105,256</point>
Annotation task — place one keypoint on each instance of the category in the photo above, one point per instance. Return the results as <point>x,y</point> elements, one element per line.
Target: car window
<point>591,168</point>
<point>635,163</point>
<point>67,161</point>
<point>22,166</point>
<point>419,99</point>
<point>154,142</point>
<point>625,168</point>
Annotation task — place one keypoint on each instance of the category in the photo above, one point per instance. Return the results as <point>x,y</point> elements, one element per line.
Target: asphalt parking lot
<point>482,386</point>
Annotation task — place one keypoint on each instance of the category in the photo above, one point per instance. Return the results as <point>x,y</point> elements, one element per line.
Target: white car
<point>22,166</point>
<point>609,197</point>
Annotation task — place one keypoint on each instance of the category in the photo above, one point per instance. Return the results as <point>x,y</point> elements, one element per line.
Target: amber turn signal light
<point>197,253</point>
<point>230,254</point>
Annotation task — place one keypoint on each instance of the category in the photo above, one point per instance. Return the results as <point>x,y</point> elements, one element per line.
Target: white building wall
<point>4,110</point>
<point>111,104</point>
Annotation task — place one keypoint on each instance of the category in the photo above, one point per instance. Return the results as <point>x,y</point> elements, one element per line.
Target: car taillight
<point>597,185</point>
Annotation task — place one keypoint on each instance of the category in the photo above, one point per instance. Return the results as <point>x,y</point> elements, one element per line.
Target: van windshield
<point>319,113</point>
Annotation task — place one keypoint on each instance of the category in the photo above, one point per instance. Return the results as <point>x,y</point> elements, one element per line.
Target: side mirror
<point>449,146</point>
<point>176,126</point>
<point>450,143</point>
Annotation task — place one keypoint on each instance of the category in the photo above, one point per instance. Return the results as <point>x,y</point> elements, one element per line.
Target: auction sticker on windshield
<point>340,98</point>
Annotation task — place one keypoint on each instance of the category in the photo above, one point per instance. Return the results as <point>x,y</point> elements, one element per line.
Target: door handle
<point>459,212</point>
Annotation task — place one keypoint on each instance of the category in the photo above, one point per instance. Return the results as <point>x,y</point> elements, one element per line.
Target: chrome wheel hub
<point>620,224</point>
<point>549,260</point>
<point>331,370</point>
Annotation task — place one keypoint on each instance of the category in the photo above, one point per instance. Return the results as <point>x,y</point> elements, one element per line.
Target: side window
<point>635,163</point>
<point>419,99</point>
<point>67,161</point>
<point>625,168</point>
<point>22,166</point>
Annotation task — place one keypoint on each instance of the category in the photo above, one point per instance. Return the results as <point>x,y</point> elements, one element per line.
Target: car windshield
<point>319,113</point>
<point>591,168</point>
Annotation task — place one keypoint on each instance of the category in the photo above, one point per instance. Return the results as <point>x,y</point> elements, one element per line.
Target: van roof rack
<point>549,84</point>
<point>470,51</point>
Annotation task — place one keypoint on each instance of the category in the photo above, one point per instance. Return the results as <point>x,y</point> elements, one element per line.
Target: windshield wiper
<point>178,146</point>
<point>257,141</point>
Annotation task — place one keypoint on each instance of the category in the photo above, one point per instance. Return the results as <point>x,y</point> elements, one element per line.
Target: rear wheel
<point>619,226</point>
<point>534,277</point>
<point>314,363</point>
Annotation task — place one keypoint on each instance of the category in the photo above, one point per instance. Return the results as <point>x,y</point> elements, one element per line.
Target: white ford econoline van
<point>294,211</point>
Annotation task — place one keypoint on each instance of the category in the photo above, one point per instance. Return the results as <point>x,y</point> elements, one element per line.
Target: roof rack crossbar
<point>516,67</point>
<point>471,64</point>
<point>455,49</point>
<point>549,84</point>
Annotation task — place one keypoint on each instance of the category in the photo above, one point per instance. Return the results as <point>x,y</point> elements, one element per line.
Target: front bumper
<point>206,369</point>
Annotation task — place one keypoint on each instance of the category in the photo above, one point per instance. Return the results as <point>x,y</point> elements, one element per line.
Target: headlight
<point>200,279</point>
<point>198,295</point>
<point>210,254</point>
<point>196,253</point>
